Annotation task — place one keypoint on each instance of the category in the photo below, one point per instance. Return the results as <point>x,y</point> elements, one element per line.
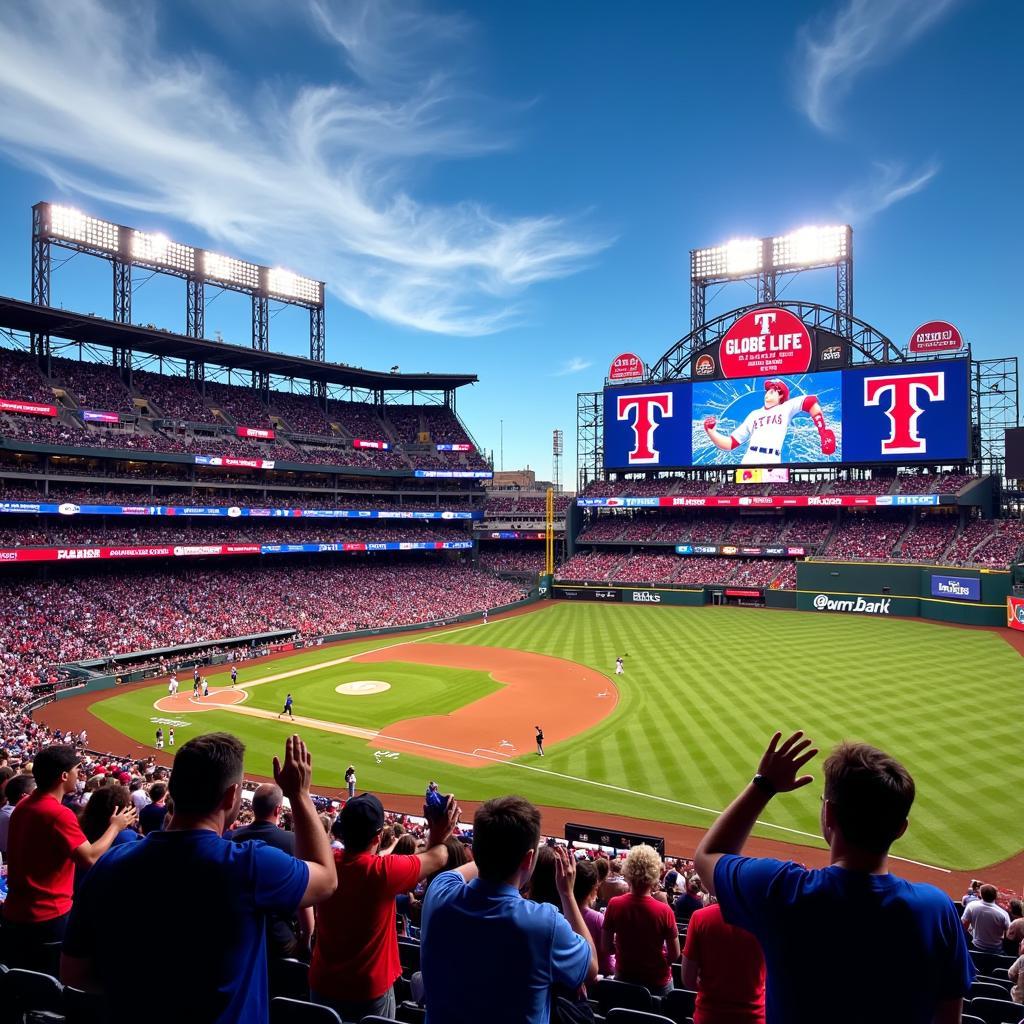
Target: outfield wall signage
<point>1015,612</point>
<point>854,603</point>
<point>594,836</point>
<point>936,336</point>
<point>586,593</point>
<point>894,412</point>
<point>956,588</point>
<point>731,551</point>
<point>69,508</point>
<point>766,501</point>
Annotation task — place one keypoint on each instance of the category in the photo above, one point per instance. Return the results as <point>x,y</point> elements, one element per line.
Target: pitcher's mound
<point>362,687</point>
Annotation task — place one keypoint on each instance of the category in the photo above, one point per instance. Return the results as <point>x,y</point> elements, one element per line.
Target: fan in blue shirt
<point>851,942</point>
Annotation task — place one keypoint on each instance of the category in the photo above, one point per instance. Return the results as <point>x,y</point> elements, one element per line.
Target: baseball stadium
<point>783,521</point>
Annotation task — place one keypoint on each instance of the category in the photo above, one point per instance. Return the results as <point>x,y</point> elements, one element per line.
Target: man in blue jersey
<point>853,915</point>
<point>223,893</point>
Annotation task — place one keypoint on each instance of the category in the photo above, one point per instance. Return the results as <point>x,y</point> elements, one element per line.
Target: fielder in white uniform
<point>619,670</point>
<point>765,429</point>
<point>172,686</point>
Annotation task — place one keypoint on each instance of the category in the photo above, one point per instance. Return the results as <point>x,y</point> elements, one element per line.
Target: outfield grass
<point>704,689</point>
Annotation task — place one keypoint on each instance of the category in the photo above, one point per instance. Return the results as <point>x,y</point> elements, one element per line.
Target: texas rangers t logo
<point>903,394</point>
<point>643,423</point>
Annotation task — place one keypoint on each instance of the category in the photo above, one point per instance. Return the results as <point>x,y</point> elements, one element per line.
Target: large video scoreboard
<point>768,394</point>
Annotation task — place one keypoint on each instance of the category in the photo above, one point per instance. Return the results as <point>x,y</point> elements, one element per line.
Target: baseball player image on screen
<point>764,430</point>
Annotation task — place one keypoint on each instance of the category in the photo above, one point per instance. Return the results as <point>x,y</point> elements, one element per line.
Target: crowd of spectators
<point>519,558</point>
<point>928,538</point>
<point>21,380</point>
<point>646,567</point>
<point>754,529</point>
<point>1003,547</point>
<point>94,385</point>
<point>46,622</point>
<point>175,398</point>
<point>302,414</point>
<point>866,536</point>
<point>590,565</point>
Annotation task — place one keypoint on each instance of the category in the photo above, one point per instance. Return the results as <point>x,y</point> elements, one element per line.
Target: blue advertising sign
<point>69,508</point>
<point>956,588</point>
<point>908,412</point>
<point>647,426</point>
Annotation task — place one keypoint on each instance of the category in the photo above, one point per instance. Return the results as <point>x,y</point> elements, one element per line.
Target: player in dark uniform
<point>540,741</point>
<point>287,709</point>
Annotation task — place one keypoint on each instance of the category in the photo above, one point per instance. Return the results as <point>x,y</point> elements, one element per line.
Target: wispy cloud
<point>574,365</point>
<point>318,177</point>
<point>889,183</point>
<point>859,35</point>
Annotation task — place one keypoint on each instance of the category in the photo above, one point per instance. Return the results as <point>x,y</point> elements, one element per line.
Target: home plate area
<point>362,687</point>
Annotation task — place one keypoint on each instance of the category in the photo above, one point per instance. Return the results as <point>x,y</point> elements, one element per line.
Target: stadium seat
<point>289,978</point>
<point>612,994</point>
<point>410,1013</point>
<point>82,1007</point>
<point>996,1011</point>
<point>966,1018</point>
<point>986,963</point>
<point>993,988</point>
<point>29,992</point>
<point>295,1011</point>
<point>623,1016</point>
<point>409,957</point>
<point>679,1004</point>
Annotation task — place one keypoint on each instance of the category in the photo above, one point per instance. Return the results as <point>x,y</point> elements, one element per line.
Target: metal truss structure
<point>589,438</point>
<point>867,345</point>
<point>126,248</point>
<point>995,406</point>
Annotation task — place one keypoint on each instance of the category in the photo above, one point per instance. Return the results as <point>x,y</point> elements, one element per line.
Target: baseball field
<point>672,740</point>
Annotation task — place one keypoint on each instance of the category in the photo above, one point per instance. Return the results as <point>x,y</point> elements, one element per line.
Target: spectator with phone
<point>355,960</point>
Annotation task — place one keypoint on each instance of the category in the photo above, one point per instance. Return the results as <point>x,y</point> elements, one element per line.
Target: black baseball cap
<point>362,818</point>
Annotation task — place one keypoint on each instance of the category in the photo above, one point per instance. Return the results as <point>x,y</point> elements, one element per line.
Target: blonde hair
<point>642,868</point>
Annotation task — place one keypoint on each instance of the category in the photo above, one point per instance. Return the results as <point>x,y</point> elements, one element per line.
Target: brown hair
<point>504,831</point>
<point>871,794</point>
<point>989,893</point>
<point>95,818</point>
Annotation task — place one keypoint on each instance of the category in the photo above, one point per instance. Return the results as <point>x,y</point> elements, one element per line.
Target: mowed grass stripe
<point>704,689</point>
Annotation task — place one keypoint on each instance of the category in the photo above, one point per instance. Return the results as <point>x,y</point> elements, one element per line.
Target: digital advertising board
<point>886,413</point>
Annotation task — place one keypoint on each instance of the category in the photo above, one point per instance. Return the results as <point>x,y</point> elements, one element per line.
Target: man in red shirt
<point>355,960</point>
<point>44,844</point>
<point>726,967</point>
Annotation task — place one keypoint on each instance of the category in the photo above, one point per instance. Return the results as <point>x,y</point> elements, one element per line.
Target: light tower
<point>557,448</point>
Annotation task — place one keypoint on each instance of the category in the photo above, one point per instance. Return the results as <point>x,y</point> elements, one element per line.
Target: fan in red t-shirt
<point>44,843</point>
<point>726,967</point>
<point>355,960</point>
<point>639,929</point>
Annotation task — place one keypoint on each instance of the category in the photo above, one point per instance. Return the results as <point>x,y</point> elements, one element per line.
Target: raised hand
<point>565,871</point>
<point>709,423</point>
<point>780,764</point>
<point>124,817</point>
<point>295,774</point>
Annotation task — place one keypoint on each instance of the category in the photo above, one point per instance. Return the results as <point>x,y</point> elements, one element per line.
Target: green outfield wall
<point>973,597</point>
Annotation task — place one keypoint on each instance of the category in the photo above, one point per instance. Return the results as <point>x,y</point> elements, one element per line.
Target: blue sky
<point>512,189</point>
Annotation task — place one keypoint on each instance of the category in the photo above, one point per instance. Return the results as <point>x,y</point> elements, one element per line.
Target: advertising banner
<point>747,592</point>
<point>68,508</point>
<point>454,447</point>
<point>514,535</point>
<point>585,593</point>
<point>936,336</point>
<point>766,341</point>
<point>227,462</point>
<point>382,446</point>
<point>851,603</point>
<point>627,366</point>
<point>91,416</point>
<point>895,412</point>
<point>27,408</point>
<point>766,501</point>
<point>1015,612</point>
<point>762,476</point>
<point>731,551</point>
<point>956,588</point>
<point>264,432</point>
<point>461,474</point>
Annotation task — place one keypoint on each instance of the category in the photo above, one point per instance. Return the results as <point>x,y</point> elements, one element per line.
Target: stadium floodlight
<point>159,249</point>
<point>67,222</point>
<point>740,257</point>
<point>292,286</point>
<point>231,270</point>
<point>811,246</point>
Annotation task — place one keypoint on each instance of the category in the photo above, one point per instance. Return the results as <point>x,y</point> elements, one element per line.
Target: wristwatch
<point>765,784</point>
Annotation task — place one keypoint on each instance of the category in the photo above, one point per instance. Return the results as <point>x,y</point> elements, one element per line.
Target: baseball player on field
<point>766,428</point>
<point>619,670</point>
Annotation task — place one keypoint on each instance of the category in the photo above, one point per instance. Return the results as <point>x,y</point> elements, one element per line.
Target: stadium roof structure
<point>92,330</point>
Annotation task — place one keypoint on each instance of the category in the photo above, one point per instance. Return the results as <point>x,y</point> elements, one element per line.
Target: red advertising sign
<point>88,554</point>
<point>1015,612</point>
<point>265,432</point>
<point>380,445</point>
<point>627,366</point>
<point>27,408</point>
<point>765,341</point>
<point>936,336</point>
<point>741,592</point>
